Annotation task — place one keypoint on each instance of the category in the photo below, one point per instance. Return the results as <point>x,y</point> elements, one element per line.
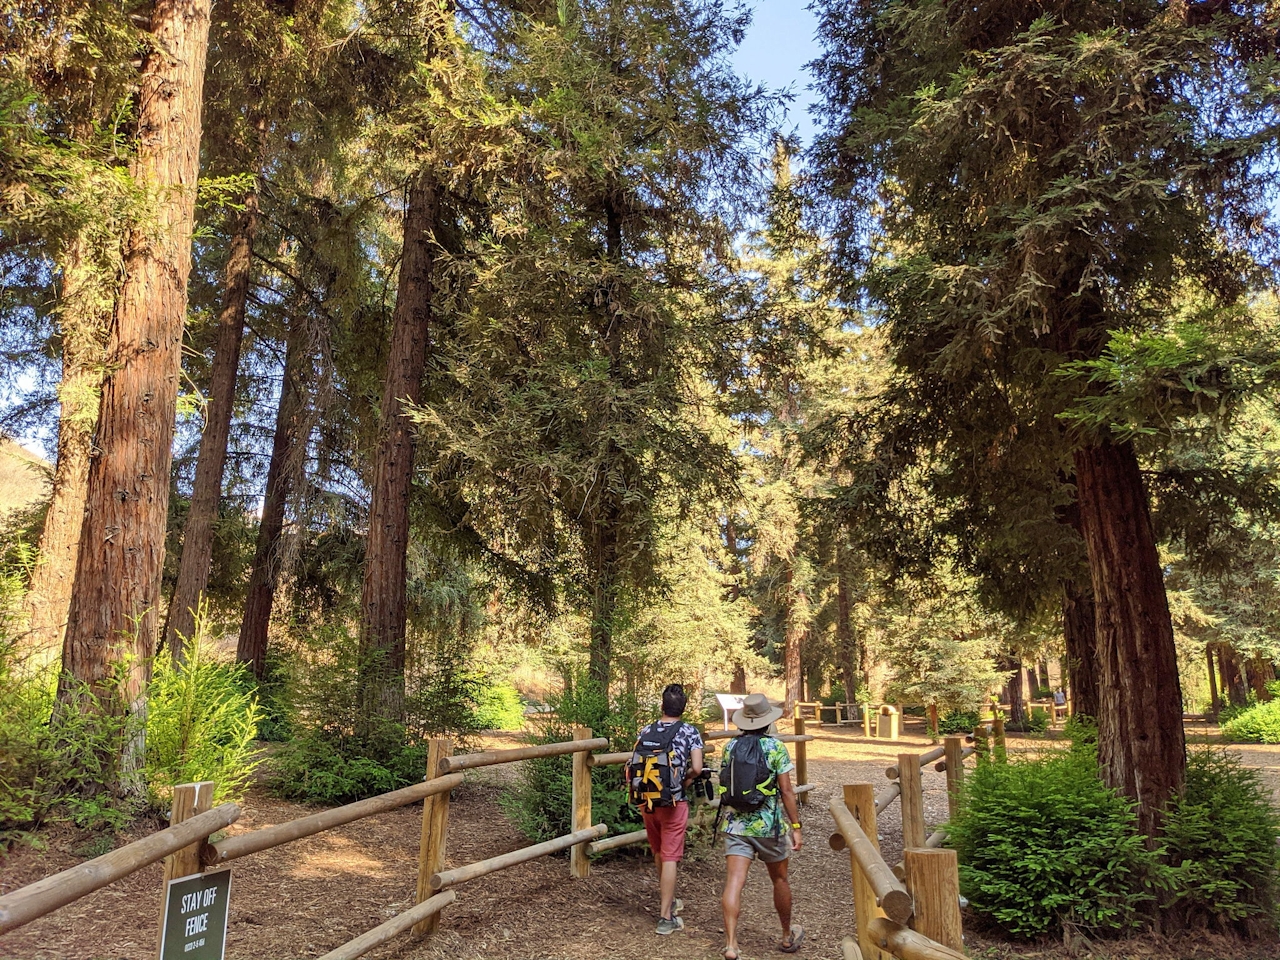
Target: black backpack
<point>746,781</point>
<point>652,776</point>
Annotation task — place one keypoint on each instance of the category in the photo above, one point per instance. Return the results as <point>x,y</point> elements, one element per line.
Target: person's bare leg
<point>735,878</point>
<point>781,894</point>
<point>667,886</point>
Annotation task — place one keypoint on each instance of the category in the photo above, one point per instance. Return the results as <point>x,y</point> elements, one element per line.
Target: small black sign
<point>195,917</point>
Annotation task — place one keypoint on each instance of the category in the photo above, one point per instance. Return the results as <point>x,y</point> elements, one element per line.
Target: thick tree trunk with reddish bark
<point>267,557</point>
<point>1080,635</point>
<point>1215,702</point>
<point>739,682</point>
<point>794,630</point>
<point>1014,694</point>
<point>1141,746</point>
<point>847,646</point>
<point>206,492</point>
<point>84,314</point>
<point>383,592</point>
<point>112,617</point>
<point>1260,674</point>
<point>1233,685</point>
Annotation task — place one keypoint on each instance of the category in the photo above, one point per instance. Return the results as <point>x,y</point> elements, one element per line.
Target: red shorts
<point>665,827</point>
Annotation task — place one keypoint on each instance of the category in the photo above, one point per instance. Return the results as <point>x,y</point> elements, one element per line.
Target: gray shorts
<point>768,849</point>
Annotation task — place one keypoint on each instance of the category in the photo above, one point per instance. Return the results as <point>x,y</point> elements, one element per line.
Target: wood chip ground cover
<point>306,898</point>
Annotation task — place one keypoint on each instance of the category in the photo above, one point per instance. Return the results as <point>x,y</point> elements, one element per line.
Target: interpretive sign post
<point>729,702</point>
<point>195,917</point>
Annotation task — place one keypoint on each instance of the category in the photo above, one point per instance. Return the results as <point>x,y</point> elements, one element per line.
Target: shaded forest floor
<point>306,898</point>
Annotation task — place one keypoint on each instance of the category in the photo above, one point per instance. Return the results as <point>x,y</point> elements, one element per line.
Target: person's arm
<point>695,766</point>
<point>792,808</point>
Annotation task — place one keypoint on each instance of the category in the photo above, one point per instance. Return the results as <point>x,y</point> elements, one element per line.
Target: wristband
<point>795,826</point>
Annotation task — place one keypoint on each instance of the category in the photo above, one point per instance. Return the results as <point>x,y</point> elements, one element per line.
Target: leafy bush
<point>1257,724</point>
<point>1038,720</point>
<point>201,723</point>
<point>1221,840</point>
<point>541,803</point>
<point>1082,730</point>
<point>498,706</point>
<point>958,721</point>
<point>326,766</point>
<point>1043,843</point>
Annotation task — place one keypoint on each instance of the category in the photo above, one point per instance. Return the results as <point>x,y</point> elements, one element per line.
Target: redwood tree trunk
<point>1080,634</point>
<point>1232,679</point>
<point>206,492</point>
<point>84,313</point>
<point>739,682</point>
<point>1141,745</point>
<point>383,591</point>
<point>846,642</point>
<point>252,645</point>
<point>1017,716</point>
<point>1215,703</point>
<point>793,638</point>
<point>112,617</point>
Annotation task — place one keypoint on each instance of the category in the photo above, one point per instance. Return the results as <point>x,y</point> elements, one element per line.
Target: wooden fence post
<point>189,799</point>
<point>997,735</point>
<point>866,719</point>
<point>954,757</point>
<point>912,780</point>
<point>860,798</point>
<point>933,880</point>
<point>435,826</point>
<point>579,862</point>
<point>802,756</point>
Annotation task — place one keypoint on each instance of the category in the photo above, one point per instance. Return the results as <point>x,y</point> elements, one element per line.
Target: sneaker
<point>666,926</point>
<point>678,907</point>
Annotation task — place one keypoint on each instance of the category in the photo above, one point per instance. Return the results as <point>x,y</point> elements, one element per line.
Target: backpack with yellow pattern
<point>652,776</point>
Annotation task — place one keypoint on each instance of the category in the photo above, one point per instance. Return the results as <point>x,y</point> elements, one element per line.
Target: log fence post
<point>189,799</point>
<point>860,798</point>
<point>802,756</point>
<point>953,748</point>
<point>435,825</point>
<point>866,719</point>
<point>998,751</point>
<point>912,780</point>
<point>933,879</point>
<point>579,862</point>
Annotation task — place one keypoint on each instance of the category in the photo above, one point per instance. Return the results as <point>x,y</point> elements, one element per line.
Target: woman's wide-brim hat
<point>756,713</point>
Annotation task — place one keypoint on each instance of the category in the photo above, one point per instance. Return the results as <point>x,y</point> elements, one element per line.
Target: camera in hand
<point>702,788</point>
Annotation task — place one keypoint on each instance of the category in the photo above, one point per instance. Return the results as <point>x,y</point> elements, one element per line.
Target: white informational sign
<point>729,702</point>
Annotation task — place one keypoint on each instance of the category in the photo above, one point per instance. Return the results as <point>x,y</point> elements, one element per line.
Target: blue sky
<point>778,45</point>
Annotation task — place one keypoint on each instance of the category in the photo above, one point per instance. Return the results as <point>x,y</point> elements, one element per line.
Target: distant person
<point>759,818</point>
<point>1059,698</point>
<point>666,759</point>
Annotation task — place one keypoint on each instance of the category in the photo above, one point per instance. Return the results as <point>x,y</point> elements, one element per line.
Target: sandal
<point>792,943</point>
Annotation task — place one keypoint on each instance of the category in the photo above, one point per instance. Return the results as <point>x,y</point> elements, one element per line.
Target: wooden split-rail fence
<point>186,851</point>
<point>911,910</point>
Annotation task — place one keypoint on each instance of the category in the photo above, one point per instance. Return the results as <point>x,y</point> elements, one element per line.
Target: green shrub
<point>1221,840</point>
<point>541,803</point>
<point>1043,843</point>
<point>1257,724</point>
<point>958,721</point>
<point>498,706</point>
<point>1082,730</point>
<point>328,766</point>
<point>1038,720</point>
<point>201,723</point>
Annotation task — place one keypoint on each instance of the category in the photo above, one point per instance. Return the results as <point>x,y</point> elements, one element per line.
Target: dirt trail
<point>306,898</point>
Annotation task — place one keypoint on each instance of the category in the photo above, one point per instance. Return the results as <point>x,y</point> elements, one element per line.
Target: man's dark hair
<point>673,700</point>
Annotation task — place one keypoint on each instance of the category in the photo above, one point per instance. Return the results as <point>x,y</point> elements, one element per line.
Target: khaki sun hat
<point>756,713</point>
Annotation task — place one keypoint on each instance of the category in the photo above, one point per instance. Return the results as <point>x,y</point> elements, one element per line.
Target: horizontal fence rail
<point>891,896</point>
<point>44,896</point>
<point>925,760</point>
<point>257,840</point>
<point>470,761</point>
<point>393,927</point>
<point>481,868</point>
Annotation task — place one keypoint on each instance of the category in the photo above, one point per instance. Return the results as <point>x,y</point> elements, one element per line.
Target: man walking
<point>668,756</point>
<point>760,818</point>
